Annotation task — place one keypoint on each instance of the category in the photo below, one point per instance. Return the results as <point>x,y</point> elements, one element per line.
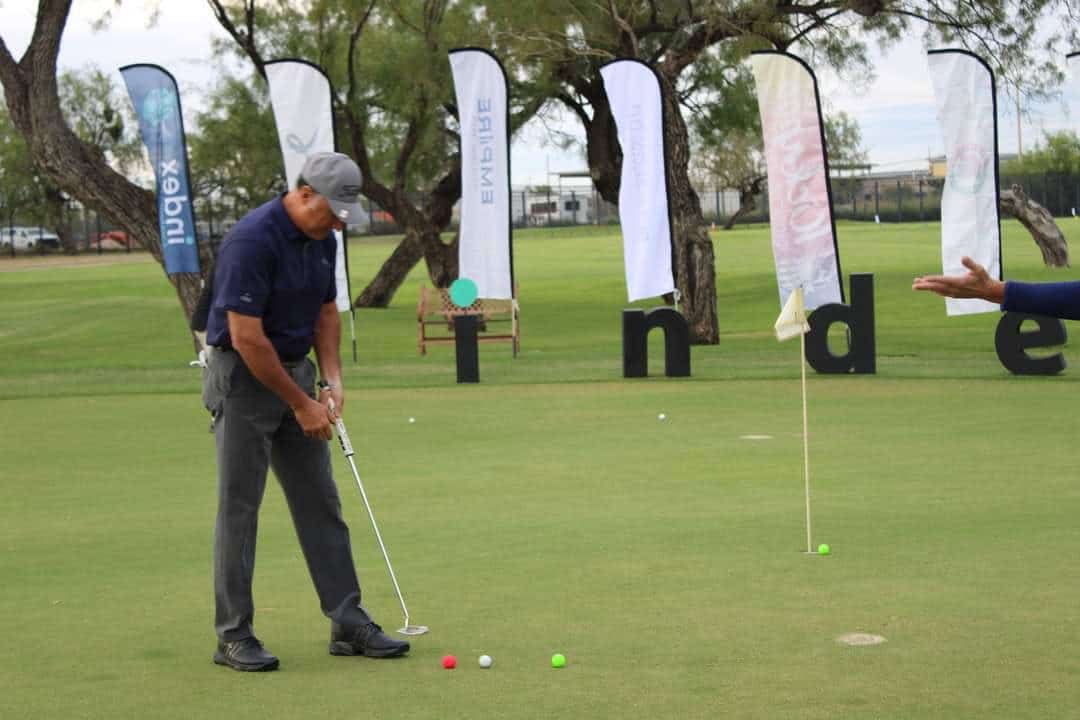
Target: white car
<point>28,238</point>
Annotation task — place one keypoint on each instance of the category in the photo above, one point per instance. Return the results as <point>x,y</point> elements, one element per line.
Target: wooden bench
<point>435,315</point>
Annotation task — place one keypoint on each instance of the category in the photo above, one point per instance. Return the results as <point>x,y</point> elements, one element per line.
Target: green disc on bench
<point>463,292</point>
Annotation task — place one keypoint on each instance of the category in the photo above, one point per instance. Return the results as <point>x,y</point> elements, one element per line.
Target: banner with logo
<point>633,91</point>
<point>304,115</point>
<point>156,99</point>
<point>967,113</point>
<point>800,198</point>
<point>485,248</point>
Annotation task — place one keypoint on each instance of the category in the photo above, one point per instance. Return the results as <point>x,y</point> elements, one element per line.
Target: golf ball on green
<point>558,660</point>
<point>661,416</point>
<point>823,549</point>
<point>485,661</point>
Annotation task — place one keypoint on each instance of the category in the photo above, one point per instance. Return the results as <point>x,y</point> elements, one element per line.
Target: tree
<point>32,94</point>
<point>1060,153</point>
<point>235,162</point>
<point>571,39</point>
<point>20,187</point>
<point>394,98</point>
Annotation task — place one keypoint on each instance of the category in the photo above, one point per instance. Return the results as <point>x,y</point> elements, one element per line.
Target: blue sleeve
<point>243,277</point>
<point>1061,300</point>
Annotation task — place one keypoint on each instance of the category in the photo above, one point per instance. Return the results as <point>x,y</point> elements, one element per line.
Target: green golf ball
<point>823,549</point>
<point>558,660</point>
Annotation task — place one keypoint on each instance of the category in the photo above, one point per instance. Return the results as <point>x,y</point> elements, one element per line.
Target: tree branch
<point>245,39</point>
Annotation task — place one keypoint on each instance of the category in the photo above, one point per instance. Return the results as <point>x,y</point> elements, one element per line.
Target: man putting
<point>273,300</point>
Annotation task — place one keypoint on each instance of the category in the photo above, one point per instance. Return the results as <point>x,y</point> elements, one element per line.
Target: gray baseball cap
<point>337,178</point>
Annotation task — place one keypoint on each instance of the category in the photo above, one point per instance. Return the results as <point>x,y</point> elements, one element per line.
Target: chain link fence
<point>912,198</point>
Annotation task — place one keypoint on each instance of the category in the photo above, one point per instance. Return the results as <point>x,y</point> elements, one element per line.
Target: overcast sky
<point>896,112</point>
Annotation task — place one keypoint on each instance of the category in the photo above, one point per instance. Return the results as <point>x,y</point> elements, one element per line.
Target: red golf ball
<point>449,662</point>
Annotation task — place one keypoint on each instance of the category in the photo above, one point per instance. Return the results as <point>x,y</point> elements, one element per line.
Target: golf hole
<point>860,639</point>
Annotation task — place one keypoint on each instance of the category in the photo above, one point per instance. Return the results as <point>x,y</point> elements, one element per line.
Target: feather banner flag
<point>300,94</point>
<point>485,248</point>
<point>800,199</point>
<point>156,99</point>
<point>970,224</point>
<point>637,106</point>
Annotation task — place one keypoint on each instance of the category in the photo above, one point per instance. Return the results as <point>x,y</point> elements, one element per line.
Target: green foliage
<point>1059,153</point>
<point>21,188</point>
<point>101,115</point>
<point>234,151</point>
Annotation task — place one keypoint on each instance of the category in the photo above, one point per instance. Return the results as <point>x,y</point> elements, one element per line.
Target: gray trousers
<point>254,429</point>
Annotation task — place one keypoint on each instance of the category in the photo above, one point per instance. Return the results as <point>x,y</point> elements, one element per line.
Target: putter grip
<point>343,438</point>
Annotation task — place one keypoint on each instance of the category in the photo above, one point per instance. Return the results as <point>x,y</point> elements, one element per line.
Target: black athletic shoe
<point>247,655</point>
<point>367,639</point>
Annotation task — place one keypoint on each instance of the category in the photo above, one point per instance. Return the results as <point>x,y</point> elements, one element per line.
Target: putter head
<point>413,630</point>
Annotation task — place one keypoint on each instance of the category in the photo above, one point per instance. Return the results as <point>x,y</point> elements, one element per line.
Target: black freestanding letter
<point>466,346</point>
<point>636,327</point>
<point>1012,344</point>
<point>859,317</point>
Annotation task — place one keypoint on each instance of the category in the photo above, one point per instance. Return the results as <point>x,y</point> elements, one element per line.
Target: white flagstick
<point>805,439</point>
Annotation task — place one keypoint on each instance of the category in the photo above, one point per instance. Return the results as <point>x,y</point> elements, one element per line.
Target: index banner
<point>967,113</point>
<point>800,199</point>
<point>633,91</point>
<point>156,99</point>
<point>304,115</point>
<point>485,248</point>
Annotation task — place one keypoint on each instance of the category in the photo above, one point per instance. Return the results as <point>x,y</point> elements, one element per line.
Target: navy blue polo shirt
<point>268,268</point>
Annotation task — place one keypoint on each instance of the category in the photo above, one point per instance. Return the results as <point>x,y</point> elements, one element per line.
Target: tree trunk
<point>694,263</point>
<point>747,204</point>
<point>380,291</point>
<point>441,258</point>
<point>1040,223</point>
<point>32,97</point>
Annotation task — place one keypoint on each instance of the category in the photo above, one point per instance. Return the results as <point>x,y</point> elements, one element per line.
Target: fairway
<point>548,509</point>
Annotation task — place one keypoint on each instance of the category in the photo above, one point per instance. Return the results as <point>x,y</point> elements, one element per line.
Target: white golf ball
<point>485,661</point>
<point>661,416</point>
<point>412,420</point>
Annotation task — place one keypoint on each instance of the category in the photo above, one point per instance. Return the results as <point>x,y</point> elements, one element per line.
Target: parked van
<point>28,238</point>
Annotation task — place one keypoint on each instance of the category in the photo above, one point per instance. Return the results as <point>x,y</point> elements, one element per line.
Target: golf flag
<point>304,115</point>
<point>800,199</point>
<point>637,106</point>
<point>967,113</point>
<point>792,319</point>
<point>485,249</point>
<point>156,99</point>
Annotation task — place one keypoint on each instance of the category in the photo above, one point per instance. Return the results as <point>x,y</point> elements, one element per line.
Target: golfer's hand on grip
<point>314,419</point>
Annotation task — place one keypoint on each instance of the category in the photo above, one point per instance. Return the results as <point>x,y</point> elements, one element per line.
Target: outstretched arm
<point>976,283</point>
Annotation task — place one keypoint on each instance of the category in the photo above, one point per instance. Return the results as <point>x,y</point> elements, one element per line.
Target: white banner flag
<point>636,104</point>
<point>303,112</point>
<point>800,203</point>
<point>485,245</point>
<point>967,114</point>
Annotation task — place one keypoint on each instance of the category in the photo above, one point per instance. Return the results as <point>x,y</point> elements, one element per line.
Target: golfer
<point>273,300</point>
<point>1061,300</point>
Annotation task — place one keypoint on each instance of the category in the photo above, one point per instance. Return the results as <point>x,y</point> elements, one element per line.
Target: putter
<point>347,448</point>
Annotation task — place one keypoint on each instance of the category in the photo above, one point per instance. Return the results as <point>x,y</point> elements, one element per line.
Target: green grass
<point>547,509</point>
